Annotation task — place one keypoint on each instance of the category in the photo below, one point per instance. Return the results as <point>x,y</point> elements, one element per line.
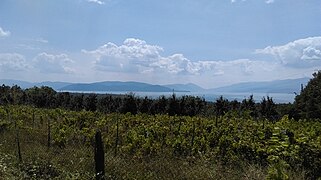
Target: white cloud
<point>49,63</point>
<point>131,49</point>
<point>97,1</point>
<point>41,40</point>
<point>12,62</point>
<point>300,53</point>
<point>4,33</point>
<point>244,67</point>
<point>136,56</point>
<point>135,59</point>
<point>311,53</point>
<point>178,64</point>
<point>132,55</point>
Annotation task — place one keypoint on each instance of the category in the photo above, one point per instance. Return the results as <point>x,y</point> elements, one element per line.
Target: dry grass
<point>178,168</point>
<point>125,167</point>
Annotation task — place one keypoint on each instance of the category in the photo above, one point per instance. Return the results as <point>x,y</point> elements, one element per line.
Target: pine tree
<point>308,103</point>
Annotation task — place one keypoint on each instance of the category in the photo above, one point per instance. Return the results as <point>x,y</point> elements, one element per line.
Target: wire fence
<point>28,151</point>
<point>50,144</point>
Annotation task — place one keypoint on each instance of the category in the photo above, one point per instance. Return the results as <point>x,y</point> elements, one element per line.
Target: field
<point>59,144</point>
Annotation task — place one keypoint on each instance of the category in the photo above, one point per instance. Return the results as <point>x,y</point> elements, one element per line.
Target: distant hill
<point>278,86</point>
<point>97,86</point>
<point>116,86</point>
<point>12,82</point>
<point>55,85</point>
<point>185,87</point>
<point>25,84</point>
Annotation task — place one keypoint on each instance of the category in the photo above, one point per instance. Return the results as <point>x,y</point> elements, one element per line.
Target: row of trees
<point>307,103</point>
<point>46,97</point>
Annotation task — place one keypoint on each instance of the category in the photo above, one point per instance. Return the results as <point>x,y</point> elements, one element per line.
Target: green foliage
<point>279,149</point>
<point>229,139</point>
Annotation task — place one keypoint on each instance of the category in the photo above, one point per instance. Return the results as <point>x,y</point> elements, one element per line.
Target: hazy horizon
<point>208,43</point>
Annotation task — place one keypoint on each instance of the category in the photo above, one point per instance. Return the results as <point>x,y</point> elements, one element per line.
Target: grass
<point>167,168</point>
<point>76,162</point>
<point>128,167</point>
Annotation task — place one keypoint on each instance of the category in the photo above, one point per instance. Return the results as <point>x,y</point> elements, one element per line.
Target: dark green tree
<point>160,105</point>
<point>173,105</point>
<point>129,104</point>
<point>77,102</point>
<point>5,95</point>
<point>248,105</point>
<point>268,109</point>
<point>235,105</point>
<point>144,105</point>
<point>63,99</point>
<point>308,102</point>
<point>221,106</point>
<point>43,97</point>
<point>90,103</point>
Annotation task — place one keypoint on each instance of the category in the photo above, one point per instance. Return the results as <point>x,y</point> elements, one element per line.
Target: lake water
<point>277,97</point>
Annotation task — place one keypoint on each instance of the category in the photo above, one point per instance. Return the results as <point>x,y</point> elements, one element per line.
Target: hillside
<point>278,86</point>
<point>287,86</point>
<point>116,86</point>
<point>185,87</point>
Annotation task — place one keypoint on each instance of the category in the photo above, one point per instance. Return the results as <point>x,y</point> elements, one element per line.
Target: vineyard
<point>59,144</point>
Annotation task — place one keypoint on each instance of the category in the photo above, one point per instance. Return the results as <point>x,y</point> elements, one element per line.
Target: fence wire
<point>28,151</point>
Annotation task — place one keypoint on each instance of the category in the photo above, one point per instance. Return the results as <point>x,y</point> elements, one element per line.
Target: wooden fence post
<point>49,134</point>
<point>117,135</point>
<point>99,157</point>
<point>193,137</point>
<point>18,142</point>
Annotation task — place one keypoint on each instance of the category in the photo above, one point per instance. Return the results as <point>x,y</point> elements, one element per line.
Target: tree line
<point>307,104</point>
<point>46,97</point>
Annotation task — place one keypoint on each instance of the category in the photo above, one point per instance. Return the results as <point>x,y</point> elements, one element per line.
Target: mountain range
<point>277,86</point>
<point>116,86</point>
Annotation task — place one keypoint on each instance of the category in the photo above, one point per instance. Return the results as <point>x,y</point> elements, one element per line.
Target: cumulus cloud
<point>311,53</point>
<point>299,53</point>
<point>132,55</point>
<point>136,59</point>
<point>97,2</point>
<point>243,67</point>
<point>12,62</point>
<point>136,56</point>
<point>4,33</point>
<point>49,63</point>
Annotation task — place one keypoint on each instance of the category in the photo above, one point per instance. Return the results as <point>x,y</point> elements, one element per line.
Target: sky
<point>211,43</point>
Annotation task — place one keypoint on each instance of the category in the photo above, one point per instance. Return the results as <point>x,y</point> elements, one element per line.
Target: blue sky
<point>206,42</point>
